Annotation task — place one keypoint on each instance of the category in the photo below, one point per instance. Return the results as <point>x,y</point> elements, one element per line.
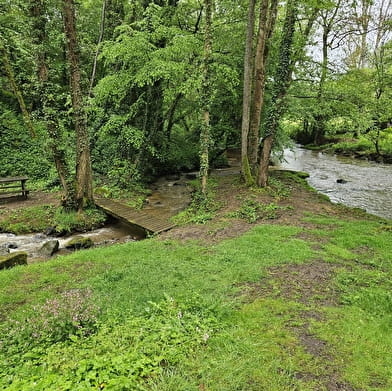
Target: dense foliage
<point>141,66</point>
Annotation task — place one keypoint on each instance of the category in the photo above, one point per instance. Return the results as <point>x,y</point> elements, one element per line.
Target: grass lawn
<point>304,306</point>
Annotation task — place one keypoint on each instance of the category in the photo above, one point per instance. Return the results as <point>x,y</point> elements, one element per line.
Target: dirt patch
<point>330,382</point>
<point>35,198</point>
<point>308,284</point>
<point>312,285</point>
<point>330,378</point>
<point>297,202</point>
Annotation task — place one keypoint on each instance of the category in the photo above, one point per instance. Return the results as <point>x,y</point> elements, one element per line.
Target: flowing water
<point>169,196</point>
<point>352,182</point>
<point>31,243</point>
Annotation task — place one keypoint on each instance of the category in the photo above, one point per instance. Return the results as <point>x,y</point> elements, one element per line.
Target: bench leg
<point>24,191</point>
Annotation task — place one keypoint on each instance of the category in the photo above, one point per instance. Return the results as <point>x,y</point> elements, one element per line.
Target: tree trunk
<point>262,178</point>
<point>84,191</point>
<point>101,31</point>
<point>281,81</point>
<point>205,134</point>
<point>247,94</point>
<point>39,38</point>
<point>266,26</point>
<point>11,78</point>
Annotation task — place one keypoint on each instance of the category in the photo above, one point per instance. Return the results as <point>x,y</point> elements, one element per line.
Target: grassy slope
<point>221,320</point>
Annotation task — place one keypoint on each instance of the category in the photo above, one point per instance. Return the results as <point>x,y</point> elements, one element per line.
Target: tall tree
<point>39,36</point>
<point>205,134</point>
<point>247,94</point>
<point>267,19</point>
<point>280,84</point>
<point>84,190</point>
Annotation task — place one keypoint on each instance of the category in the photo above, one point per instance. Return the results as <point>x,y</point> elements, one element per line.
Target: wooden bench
<point>14,186</point>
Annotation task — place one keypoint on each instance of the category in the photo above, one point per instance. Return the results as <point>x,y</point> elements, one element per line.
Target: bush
<point>21,154</point>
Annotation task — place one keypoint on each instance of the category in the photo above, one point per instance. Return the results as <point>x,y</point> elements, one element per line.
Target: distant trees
<point>340,94</point>
<point>141,88</point>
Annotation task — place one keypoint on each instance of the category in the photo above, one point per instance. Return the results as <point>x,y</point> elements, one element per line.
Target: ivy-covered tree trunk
<point>84,191</point>
<point>247,94</point>
<point>268,12</point>
<point>205,134</point>
<point>281,81</point>
<point>39,38</point>
<point>18,94</point>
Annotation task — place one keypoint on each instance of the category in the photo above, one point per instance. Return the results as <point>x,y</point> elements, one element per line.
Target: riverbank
<point>278,289</point>
<point>356,183</point>
<point>41,212</point>
<point>362,148</point>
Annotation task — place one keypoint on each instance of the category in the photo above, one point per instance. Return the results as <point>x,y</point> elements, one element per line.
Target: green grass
<point>39,218</point>
<point>362,346</point>
<point>255,352</point>
<point>32,219</point>
<point>176,316</point>
<point>365,145</point>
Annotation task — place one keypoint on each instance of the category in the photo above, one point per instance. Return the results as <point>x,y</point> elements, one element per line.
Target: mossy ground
<point>297,301</point>
<point>42,211</point>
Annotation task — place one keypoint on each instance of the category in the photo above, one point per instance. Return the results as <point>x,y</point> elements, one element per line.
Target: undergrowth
<point>252,211</point>
<point>202,208</point>
<point>119,355</point>
<point>40,218</point>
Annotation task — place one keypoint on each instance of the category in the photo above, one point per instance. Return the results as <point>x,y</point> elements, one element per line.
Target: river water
<point>366,185</point>
<point>31,243</point>
<point>168,197</point>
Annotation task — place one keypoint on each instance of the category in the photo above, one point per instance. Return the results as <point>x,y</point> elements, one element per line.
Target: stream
<point>352,182</point>
<point>169,196</point>
<point>355,183</point>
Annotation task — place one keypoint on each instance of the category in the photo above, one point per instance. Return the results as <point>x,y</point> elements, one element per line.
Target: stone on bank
<point>13,259</point>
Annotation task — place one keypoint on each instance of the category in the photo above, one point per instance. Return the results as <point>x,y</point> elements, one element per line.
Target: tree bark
<point>39,38</point>
<point>247,94</point>
<point>205,134</point>
<point>84,192</point>
<point>281,81</point>
<point>262,178</point>
<point>11,78</point>
<point>267,20</point>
